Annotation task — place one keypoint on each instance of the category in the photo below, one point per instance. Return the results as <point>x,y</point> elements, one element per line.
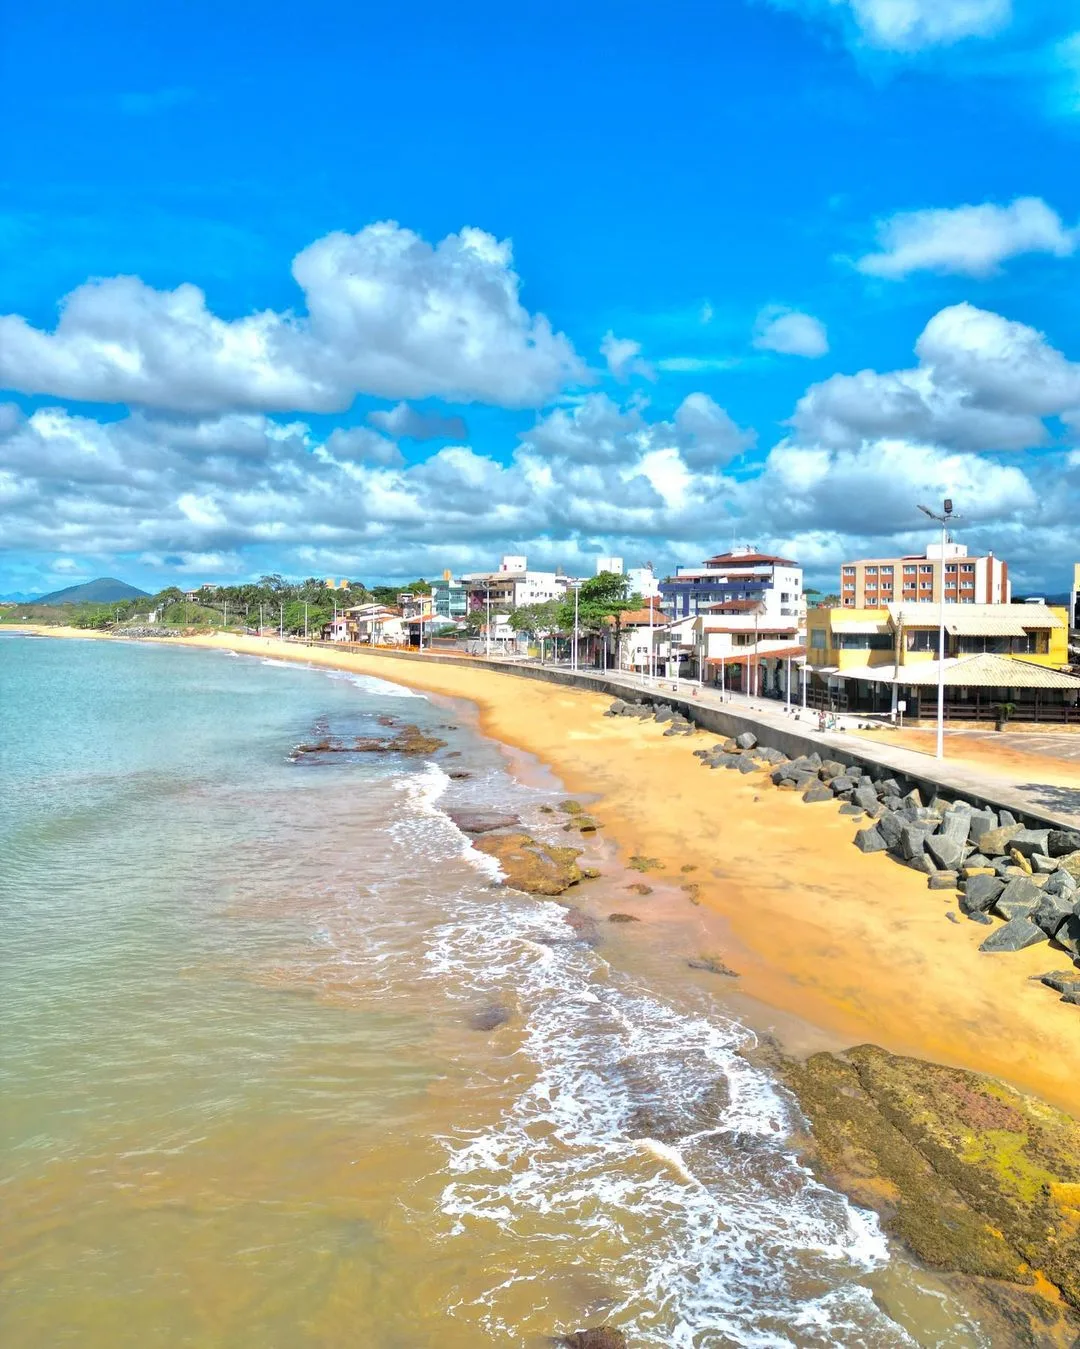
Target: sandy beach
<point>854,944</point>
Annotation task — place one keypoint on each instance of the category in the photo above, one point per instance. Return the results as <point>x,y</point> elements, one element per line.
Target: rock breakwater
<point>995,865</point>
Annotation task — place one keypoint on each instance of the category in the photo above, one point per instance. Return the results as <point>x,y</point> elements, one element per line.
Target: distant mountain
<point>105,590</point>
<point>16,597</point>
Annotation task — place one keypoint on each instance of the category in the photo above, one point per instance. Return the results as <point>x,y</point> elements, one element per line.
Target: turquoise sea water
<point>245,1099</point>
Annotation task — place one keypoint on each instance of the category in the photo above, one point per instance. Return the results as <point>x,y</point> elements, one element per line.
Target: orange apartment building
<point>874,582</point>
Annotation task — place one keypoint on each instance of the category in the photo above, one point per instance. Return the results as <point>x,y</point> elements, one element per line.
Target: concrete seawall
<point>911,769</point>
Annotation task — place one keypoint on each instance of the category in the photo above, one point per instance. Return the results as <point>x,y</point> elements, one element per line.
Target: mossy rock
<point>641,863</point>
<point>571,808</point>
<point>639,888</point>
<point>972,1175</point>
<point>536,868</point>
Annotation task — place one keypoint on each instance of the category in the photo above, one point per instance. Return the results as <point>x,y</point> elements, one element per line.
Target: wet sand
<point>856,945</point>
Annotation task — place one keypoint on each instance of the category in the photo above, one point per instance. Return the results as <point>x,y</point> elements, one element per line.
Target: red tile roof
<point>781,653</point>
<point>747,559</point>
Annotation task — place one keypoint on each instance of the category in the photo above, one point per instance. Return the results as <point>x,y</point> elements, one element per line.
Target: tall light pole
<point>573,649</point>
<point>305,620</point>
<point>945,519</point>
<point>487,625</point>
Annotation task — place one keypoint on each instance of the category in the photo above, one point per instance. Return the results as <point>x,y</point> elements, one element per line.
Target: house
<point>637,629</point>
<point>639,580</point>
<point>874,660</point>
<point>369,624</point>
<point>743,575</point>
<point>920,578</point>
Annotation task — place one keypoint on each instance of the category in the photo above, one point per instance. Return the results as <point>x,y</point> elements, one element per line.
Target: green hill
<point>105,590</point>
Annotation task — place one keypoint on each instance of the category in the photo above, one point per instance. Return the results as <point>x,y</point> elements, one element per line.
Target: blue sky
<point>658,277</point>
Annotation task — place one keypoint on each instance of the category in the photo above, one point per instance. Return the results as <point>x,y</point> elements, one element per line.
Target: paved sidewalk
<point>1024,792</point>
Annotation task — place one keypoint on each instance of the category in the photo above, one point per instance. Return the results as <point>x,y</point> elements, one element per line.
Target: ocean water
<point>246,1101</point>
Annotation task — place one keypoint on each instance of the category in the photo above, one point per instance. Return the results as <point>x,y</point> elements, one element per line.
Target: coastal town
<point>740,622</point>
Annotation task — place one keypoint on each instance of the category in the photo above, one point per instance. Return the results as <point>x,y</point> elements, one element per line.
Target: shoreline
<point>852,945</point>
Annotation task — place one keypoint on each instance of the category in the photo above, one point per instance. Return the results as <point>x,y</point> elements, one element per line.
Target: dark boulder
<point>977,917</point>
<point>913,840</point>
<point>849,808</point>
<point>747,766</point>
<point>713,965</point>
<point>490,1018</point>
<point>1015,935</point>
<point>616,709</point>
<point>843,782</point>
<point>817,791</point>
<point>831,769</point>
<point>947,852</point>
<point>664,713</point>
<point>891,826</point>
<point>954,825</point>
<point>1050,912</point>
<point>1020,895</point>
<point>942,880</point>
<point>979,893</point>
<point>870,840</point>
<point>1068,935</point>
<point>996,842</point>
<point>1029,841</point>
<point>1061,842</point>
<point>866,797</point>
<point>980,822</point>
<point>746,740</point>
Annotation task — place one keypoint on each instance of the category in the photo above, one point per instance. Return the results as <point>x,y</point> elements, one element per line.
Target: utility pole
<point>487,626</point>
<point>280,621</point>
<point>945,519</point>
<point>225,622</point>
<point>305,620</point>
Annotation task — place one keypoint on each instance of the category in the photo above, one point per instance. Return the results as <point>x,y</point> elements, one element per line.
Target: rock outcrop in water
<point>409,739</point>
<point>600,1337</point>
<point>970,1174</point>
<point>537,868</point>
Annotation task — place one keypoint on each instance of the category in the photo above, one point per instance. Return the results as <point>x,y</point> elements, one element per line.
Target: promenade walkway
<point>1021,790</point>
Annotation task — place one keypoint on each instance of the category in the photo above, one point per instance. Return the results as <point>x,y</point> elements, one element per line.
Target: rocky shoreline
<point>994,865</point>
<point>972,1176</point>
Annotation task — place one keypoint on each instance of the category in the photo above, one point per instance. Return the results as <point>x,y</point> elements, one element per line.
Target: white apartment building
<point>641,580</point>
<point>871,583</point>
<point>514,584</point>
<point>742,576</point>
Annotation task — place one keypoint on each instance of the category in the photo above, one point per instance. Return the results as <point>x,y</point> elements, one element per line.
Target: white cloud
<point>910,25</point>
<point>387,314</point>
<point>982,382</point>
<point>791,332</point>
<point>696,365</point>
<point>623,357</point>
<point>404,422</point>
<point>970,240</point>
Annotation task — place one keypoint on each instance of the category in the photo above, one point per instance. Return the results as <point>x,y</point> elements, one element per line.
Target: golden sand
<point>854,944</point>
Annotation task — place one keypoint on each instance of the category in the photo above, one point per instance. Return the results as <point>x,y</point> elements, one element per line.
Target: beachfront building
<point>920,578</point>
<point>513,585</point>
<point>638,630</point>
<point>745,576</point>
<point>449,598</point>
<point>639,580</point>
<point>885,660</point>
<point>370,624</point>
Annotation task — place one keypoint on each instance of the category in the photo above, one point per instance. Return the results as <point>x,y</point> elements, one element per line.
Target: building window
<point>849,571</point>
<point>909,571</point>
<point>886,571</point>
<point>817,639</point>
<point>871,571</point>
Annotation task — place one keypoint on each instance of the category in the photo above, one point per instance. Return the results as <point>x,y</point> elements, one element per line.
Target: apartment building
<point>919,578</point>
<point>640,580</point>
<point>744,575</point>
<point>514,585</point>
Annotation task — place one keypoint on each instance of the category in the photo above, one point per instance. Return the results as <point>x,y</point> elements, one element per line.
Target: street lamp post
<point>487,625</point>
<point>574,648</point>
<point>945,519</point>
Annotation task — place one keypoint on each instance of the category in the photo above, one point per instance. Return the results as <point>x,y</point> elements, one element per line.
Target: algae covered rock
<point>536,868</point>
<point>970,1173</point>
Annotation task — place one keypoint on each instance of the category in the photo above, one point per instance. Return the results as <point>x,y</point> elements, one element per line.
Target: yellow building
<point>873,659</point>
